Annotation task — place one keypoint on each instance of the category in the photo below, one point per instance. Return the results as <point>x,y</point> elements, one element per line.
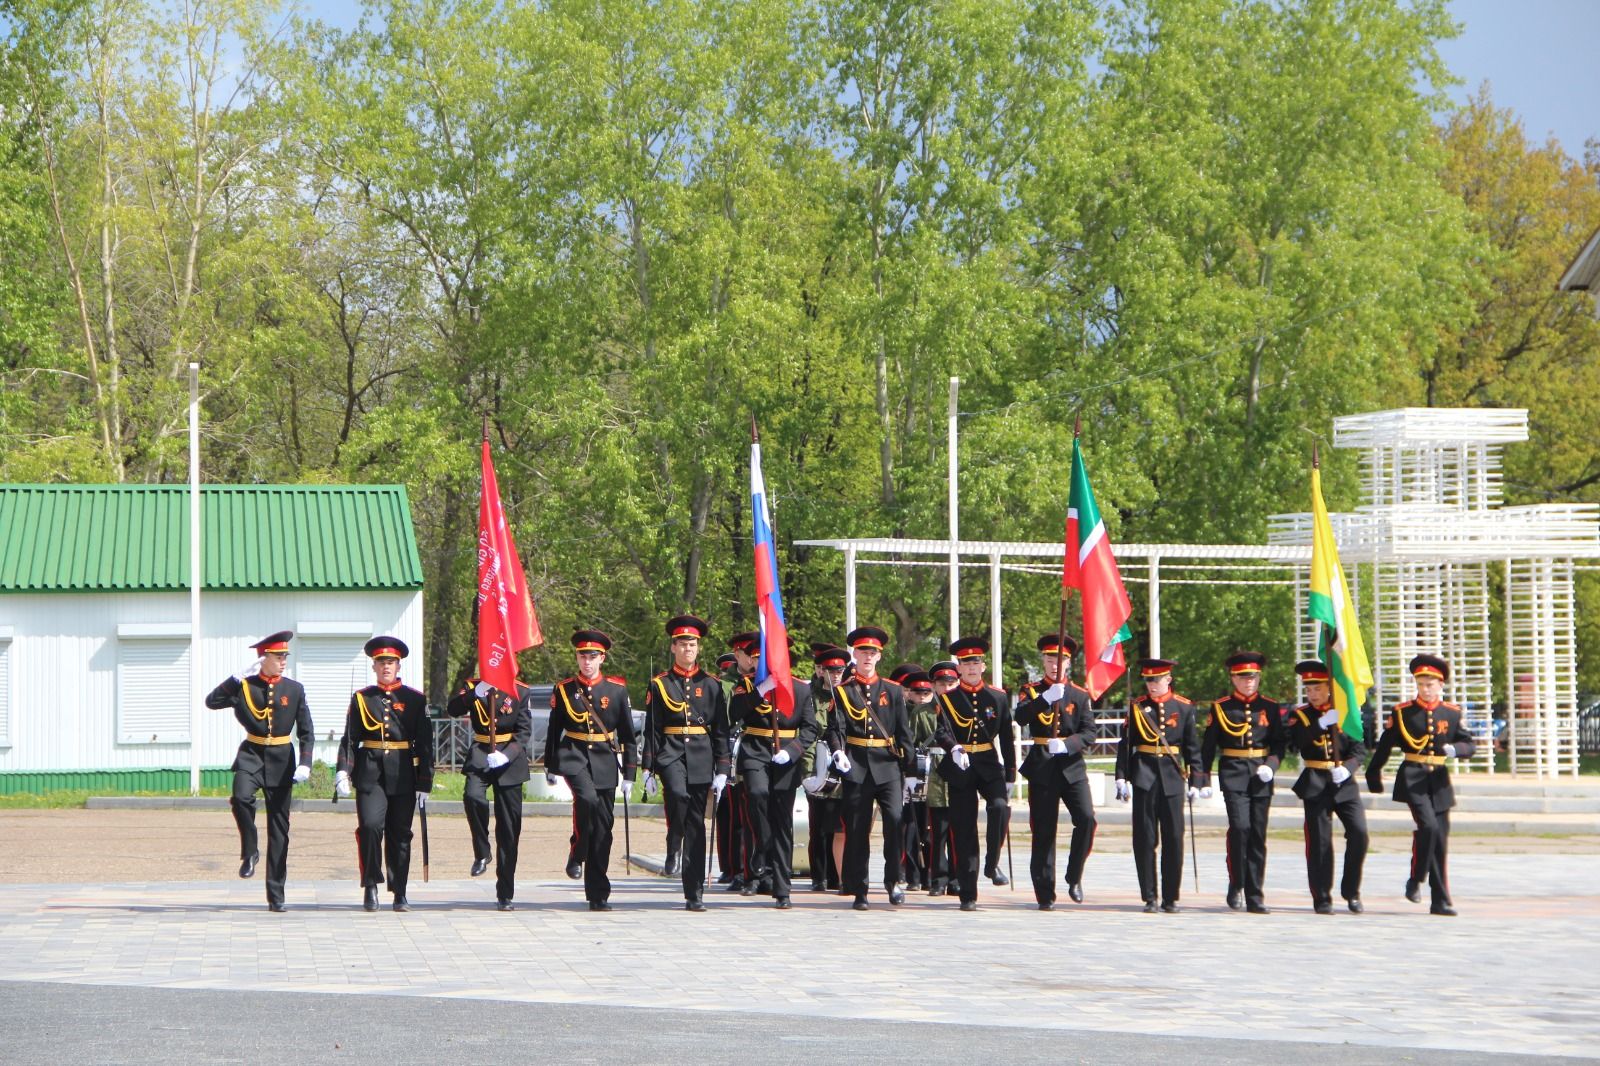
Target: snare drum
<point>832,786</point>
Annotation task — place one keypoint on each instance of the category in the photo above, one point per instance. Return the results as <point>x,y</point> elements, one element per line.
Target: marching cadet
<point>271,707</point>
<point>735,836</point>
<point>387,752</point>
<point>1158,762</point>
<point>825,815</point>
<point>1327,787</point>
<point>1427,732</point>
<point>1247,728</point>
<point>941,858</point>
<point>772,744</point>
<point>974,729</point>
<point>914,815</point>
<point>1061,725</point>
<point>591,744</point>
<point>686,745</point>
<point>870,738</point>
<point>502,733</point>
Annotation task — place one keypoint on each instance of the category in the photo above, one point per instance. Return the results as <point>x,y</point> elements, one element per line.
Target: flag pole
<point>1322,629</point>
<point>1061,626</point>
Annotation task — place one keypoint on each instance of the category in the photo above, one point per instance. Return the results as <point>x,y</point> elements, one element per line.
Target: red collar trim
<point>391,688</point>
<point>1425,705</point>
<point>273,680</point>
<point>974,689</point>
<point>681,672</point>
<point>866,679</point>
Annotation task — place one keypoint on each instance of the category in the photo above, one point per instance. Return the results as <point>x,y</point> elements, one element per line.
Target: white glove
<point>1194,793</point>
<point>651,784</point>
<point>1329,718</point>
<point>422,797</point>
<point>1013,790</point>
<point>1205,792</point>
<point>302,774</point>
<point>623,787</point>
<point>718,783</point>
<point>912,783</point>
<point>1340,775</point>
<point>1057,746</point>
<point>251,670</point>
<point>1123,791</point>
<point>1264,772</point>
<point>1450,751</point>
<point>780,757</point>
<point>1055,692</point>
<point>495,759</point>
<point>481,689</point>
<point>550,779</point>
<point>341,784</point>
<point>841,762</point>
<point>959,756</point>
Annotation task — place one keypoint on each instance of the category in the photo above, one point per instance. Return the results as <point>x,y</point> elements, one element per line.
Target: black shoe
<point>401,905</point>
<point>999,877</point>
<point>746,889</point>
<point>783,903</point>
<point>1170,906</point>
<point>574,870</point>
<point>1046,905</point>
<point>694,905</point>
<point>599,905</point>
<point>247,868</point>
<point>276,906</point>
<point>1258,908</point>
<point>1413,891</point>
<point>1149,906</point>
<point>670,867</point>
<point>478,866</point>
<point>369,898</point>
<point>725,878</point>
<point>818,886</point>
<point>860,904</point>
<point>1323,906</point>
<point>936,890</point>
<point>969,904</point>
<point>897,895</point>
<point>735,884</point>
<point>1354,903</point>
<point>1444,909</point>
<point>1075,892</point>
<point>1235,902</point>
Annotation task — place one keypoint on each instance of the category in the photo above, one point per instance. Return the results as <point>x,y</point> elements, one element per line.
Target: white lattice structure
<point>1419,552</point>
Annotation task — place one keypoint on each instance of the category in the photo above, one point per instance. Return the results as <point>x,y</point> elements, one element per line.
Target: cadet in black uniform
<point>387,752</point>
<point>1157,762</point>
<point>914,823</point>
<point>270,707</point>
<point>1327,787</point>
<point>1058,718</point>
<point>870,738</point>
<point>498,759</point>
<point>1427,732</point>
<point>590,742</point>
<point>686,745</point>
<point>772,745</point>
<point>825,814</point>
<point>735,836</point>
<point>974,729</point>
<point>941,857</point>
<point>1247,728</point>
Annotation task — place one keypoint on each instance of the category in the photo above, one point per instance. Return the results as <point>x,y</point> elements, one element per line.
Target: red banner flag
<point>507,622</point>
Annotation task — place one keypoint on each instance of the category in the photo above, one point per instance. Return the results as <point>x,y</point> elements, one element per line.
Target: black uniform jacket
<point>872,711</point>
<point>388,741</point>
<point>271,711</point>
<point>686,720</point>
<point>1235,724</point>
<point>1314,745</point>
<point>1420,733</point>
<point>590,725</point>
<point>513,731</point>
<point>759,717</point>
<point>980,721</point>
<point>1159,743</point>
<point>1070,718</point>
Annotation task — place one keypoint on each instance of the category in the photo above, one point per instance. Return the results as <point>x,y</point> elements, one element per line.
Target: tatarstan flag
<point>1339,636</point>
<point>1088,566</point>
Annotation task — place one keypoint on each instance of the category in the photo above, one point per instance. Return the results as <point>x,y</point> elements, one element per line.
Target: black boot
<point>247,868</point>
<point>369,898</point>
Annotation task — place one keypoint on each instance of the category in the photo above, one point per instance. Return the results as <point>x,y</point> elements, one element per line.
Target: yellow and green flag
<point>1339,637</point>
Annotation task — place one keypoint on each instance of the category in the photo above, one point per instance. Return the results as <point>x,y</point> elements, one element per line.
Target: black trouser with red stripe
<point>244,816</point>
<point>941,861</point>
<point>1043,795</point>
<point>595,810</point>
<point>1247,843</point>
<point>1319,844</point>
<point>686,804</point>
<point>1430,848</point>
<point>383,836</point>
<point>825,821</point>
<point>914,844</point>
<point>964,795</point>
<point>1158,817</point>
<point>860,798</point>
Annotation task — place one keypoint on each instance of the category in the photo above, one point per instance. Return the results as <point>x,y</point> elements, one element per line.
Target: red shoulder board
<point>662,674</point>
<point>1180,696</point>
<point>617,680</point>
<point>1452,706</point>
<point>569,677</point>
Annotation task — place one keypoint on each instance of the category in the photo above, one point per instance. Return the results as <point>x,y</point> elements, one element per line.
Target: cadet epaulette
<point>1180,696</point>
<point>616,680</point>
<point>1452,706</point>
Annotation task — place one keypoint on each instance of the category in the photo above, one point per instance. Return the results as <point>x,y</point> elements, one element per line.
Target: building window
<point>152,689</point>
<point>330,668</point>
<point>5,691</point>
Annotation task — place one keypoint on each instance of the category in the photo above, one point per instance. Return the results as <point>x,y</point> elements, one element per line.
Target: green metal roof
<point>87,538</point>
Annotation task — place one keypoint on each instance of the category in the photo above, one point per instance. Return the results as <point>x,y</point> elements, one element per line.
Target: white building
<point>95,632</point>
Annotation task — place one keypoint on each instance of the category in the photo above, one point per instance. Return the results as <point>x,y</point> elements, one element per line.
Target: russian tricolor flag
<point>772,668</point>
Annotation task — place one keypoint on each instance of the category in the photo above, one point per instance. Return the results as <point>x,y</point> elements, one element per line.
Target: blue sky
<point>1541,59</point>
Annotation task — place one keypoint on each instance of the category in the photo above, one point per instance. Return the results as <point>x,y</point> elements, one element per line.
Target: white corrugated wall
<point>63,660</point>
